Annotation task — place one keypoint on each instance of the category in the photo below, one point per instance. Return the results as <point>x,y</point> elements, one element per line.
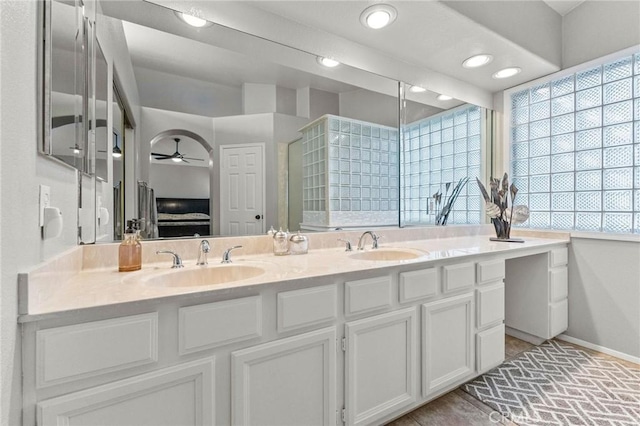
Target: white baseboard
<point>534,340</point>
<point>598,348</point>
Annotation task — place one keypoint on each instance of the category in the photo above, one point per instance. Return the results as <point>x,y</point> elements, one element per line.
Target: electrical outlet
<point>45,201</point>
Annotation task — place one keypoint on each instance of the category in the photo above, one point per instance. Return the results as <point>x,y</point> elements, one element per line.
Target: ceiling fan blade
<point>184,160</point>
<point>156,154</point>
<point>190,158</point>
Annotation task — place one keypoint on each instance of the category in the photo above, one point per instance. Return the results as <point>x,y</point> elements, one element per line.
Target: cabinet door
<point>447,342</point>
<point>381,365</point>
<point>287,382</point>
<point>180,395</point>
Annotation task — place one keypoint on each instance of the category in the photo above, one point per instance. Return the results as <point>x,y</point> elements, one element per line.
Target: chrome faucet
<point>226,256</point>
<point>202,252</point>
<point>177,261</point>
<point>374,237</point>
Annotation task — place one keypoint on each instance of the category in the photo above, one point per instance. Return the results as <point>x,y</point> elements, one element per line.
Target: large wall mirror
<point>229,134</point>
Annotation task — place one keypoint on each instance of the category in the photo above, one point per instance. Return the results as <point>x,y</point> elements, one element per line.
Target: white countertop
<point>107,287</point>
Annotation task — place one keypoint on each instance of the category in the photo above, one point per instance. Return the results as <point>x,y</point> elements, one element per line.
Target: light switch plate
<point>45,201</point>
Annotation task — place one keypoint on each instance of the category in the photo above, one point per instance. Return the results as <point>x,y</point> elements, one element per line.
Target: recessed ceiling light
<point>328,62</point>
<point>378,16</point>
<point>194,21</point>
<point>444,98</point>
<point>507,72</point>
<point>477,60</point>
<point>417,89</point>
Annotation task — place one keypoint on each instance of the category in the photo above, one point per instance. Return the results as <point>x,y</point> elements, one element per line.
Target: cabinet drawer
<point>558,284</point>
<point>488,271</point>
<point>490,301</point>
<point>306,307</point>
<point>367,295</point>
<point>558,318</point>
<point>86,350</point>
<point>417,285</point>
<point>457,277</point>
<point>558,257</point>
<point>490,347</point>
<point>220,323</point>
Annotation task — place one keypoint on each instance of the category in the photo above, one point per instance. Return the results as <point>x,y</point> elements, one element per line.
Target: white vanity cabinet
<point>181,395</point>
<point>381,365</point>
<point>536,295</point>
<point>289,381</point>
<point>448,343</point>
<point>358,348</point>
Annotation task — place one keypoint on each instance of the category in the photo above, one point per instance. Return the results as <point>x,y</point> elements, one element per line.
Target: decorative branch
<point>497,206</point>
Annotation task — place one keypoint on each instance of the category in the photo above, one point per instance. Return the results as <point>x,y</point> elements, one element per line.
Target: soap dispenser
<point>130,250</point>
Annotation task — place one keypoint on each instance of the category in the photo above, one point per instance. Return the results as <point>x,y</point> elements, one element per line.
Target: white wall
<point>258,98</point>
<point>604,293</point>
<point>369,106</point>
<point>179,181</point>
<point>322,102</point>
<point>176,93</point>
<point>285,100</point>
<point>597,28</point>
<point>21,171</point>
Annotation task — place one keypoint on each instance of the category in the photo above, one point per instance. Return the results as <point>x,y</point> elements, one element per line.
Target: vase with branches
<point>497,207</point>
<point>448,200</point>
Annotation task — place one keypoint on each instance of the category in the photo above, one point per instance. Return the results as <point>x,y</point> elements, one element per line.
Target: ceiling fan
<point>176,156</point>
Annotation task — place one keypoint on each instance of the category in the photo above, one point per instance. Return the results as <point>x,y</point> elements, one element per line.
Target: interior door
<point>242,189</point>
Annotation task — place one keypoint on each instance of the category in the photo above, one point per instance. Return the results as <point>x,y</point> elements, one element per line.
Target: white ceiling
<point>157,50</point>
<point>427,34</point>
<point>563,6</point>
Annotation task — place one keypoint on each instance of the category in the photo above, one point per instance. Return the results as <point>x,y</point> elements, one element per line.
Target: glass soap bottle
<point>130,250</point>
<point>298,244</point>
<point>280,243</point>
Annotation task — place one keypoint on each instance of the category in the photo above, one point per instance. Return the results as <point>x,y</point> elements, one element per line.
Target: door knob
<point>258,216</point>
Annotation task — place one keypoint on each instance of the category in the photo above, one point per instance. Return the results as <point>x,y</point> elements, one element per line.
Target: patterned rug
<point>557,384</point>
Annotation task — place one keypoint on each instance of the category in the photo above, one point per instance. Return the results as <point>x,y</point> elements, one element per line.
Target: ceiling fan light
<point>176,159</point>
<point>327,62</point>
<point>507,72</point>
<point>417,89</point>
<point>117,153</point>
<point>477,60</point>
<point>378,16</point>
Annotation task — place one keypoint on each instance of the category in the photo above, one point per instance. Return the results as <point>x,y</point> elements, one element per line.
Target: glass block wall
<point>575,149</point>
<point>350,172</point>
<point>438,150</point>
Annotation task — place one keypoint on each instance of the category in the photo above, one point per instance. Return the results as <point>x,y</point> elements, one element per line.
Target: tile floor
<point>457,408</point>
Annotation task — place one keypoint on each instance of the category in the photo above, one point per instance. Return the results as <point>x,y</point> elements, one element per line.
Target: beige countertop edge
<point>102,289</point>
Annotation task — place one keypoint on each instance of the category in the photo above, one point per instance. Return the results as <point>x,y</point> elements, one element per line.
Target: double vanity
<point>325,338</point>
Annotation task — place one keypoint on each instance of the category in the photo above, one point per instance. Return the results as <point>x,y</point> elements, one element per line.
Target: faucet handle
<point>376,238</point>
<point>226,256</point>
<point>177,261</point>
<point>347,244</point>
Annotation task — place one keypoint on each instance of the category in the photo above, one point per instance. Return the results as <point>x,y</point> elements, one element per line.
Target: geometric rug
<point>557,384</point>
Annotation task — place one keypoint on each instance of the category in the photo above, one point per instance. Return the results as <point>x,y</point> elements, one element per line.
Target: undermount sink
<point>221,274</point>
<point>386,255</point>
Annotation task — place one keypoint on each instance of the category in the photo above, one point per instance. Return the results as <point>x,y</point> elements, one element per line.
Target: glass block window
<point>575,149</point>
<point>314,168</point>
<point>440,150</point>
